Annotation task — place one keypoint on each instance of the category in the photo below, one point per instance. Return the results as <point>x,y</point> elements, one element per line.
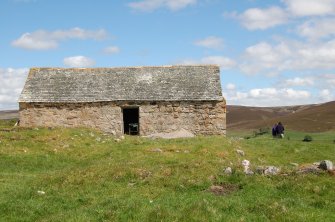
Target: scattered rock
<point>267,170</point>
<point>241,152</point>
<point>228,171</point>
<point>245,163</point>
<point>309,169</point>
<point>326,165</point>
<point>186,151</point>
<point>157,150</point>
<point>260,170</point>
<point>122,137</point>
<point>247,170</point>
<point>40,192</point>
<point>98,139</point>
<point>91,134</point>
<point>271,170</point>
<point>117,140</point>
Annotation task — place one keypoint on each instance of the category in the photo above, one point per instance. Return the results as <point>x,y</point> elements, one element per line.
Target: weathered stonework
<point>166,98</point>
<point>198,117</point>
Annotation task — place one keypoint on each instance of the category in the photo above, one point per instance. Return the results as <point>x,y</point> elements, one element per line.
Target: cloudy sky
<point>271,52</point>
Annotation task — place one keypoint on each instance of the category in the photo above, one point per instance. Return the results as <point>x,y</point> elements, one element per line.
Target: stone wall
<point>200,117</point>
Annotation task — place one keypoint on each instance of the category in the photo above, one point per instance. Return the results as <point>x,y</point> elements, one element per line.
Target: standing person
<point>274,130</point>
<point>280,130</point>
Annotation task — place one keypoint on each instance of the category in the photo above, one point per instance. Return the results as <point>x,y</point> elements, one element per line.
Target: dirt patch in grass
<point>224,189</point>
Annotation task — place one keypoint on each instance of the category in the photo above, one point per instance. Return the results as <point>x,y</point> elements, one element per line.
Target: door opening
<point>131,121</point>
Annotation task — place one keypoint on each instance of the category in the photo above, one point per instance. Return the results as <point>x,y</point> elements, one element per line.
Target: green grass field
<point>88,176</point>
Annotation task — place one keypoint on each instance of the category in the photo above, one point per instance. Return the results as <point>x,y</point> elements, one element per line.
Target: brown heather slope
<point>307,118</point>
<point>9,114</point>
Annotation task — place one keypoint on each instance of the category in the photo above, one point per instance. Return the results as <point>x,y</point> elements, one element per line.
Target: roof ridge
<point>123,67</point>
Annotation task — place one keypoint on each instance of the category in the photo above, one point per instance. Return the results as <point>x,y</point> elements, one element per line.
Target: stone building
<point>135,100</point>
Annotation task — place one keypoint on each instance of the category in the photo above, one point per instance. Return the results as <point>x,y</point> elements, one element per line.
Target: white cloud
<point>327,80</point>
<point>256,18</point>
<point>297,81</point>
<point>268,97</point>
<point>326,95</point>
<point>223,62</point>
<point>44,40</point>
<point>317,28</point>
<point>112,50</point>
<point>11,84</point>
<point>78,61</point>
<point>230,86</point>
<point>264,56</point>
<point>288,55</point>
<point>211,42</point>
<point>151,5</point>
<point>310,7</point>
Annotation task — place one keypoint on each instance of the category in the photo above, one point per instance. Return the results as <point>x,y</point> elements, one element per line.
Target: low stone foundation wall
<point>201,117</point>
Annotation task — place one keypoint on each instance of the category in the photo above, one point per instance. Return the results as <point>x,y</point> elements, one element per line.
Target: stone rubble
<point>246,166</point>
<point>271,170</point>
<point>326,165</point>
<point>156,118</point>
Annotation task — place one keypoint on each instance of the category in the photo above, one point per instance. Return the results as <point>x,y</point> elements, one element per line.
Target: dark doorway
<point>131,121</point>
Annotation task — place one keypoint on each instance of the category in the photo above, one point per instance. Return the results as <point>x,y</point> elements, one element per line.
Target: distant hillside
<point>9,114</point>
<point>308,118</point>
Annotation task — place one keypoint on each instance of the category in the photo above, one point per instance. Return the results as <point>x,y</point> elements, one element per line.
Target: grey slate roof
<point>161,83</point>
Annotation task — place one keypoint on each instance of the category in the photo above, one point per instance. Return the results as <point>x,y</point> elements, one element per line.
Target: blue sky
<point>271,53</point>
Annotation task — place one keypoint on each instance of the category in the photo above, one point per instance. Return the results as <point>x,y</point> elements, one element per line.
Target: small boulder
<point>326,165</point>
<point>271,170</point>
<point>241,152</point>
<point>228,171</point>
<point>249,172</point>
<point>40,192</point>
<point>245,163</point>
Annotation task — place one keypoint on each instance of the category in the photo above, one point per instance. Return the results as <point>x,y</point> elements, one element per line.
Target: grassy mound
<point>84,175</point>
